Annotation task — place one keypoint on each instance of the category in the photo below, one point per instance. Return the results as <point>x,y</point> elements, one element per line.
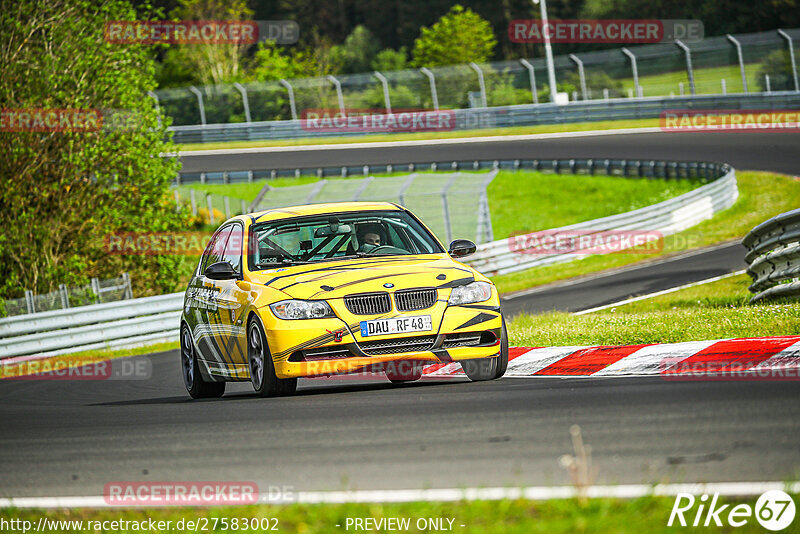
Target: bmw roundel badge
<point>387,285</point>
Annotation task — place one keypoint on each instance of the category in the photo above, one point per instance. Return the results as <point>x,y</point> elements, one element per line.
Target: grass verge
<point>421,136</point>
<point>646,514</point>
<point>716,310</point>
<point>761,195</point>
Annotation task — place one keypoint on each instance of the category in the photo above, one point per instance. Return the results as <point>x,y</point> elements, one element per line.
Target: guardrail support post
<point>210,209</point>
<point>200,105</point>
<point>128,288</point>
<point>481,84</point>
<point>448,231</point>
<point>290,90</point>
<point>532,77</point>
<point>791,57</point>
<point>385,85</point>
<point>194,201</point>
<point>336,83</point>
<point>739,56</point>
<point>29,301</point>
<point>62,291</point>
<point>245,102</point>
<point>432,80</point>
<point>689,69</point>
<point>637,89</point>
<point>581,74</point>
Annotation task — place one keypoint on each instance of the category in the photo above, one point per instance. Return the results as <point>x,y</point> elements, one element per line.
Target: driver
<point>369,238</point>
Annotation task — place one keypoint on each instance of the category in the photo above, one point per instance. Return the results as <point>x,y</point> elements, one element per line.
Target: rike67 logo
<point>774,510</point>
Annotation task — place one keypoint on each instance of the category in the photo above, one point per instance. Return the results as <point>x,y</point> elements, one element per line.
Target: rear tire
<point>262,370</point>
<point>197,387</point>
<point>489,368</point>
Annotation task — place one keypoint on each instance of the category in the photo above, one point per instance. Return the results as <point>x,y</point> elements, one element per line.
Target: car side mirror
<point>221,270</point>
<point>461,247</point>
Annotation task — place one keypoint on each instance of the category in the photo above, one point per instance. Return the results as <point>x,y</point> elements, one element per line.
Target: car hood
<point>335,279</point>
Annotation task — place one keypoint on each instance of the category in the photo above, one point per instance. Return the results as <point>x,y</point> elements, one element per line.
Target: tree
<point>358,51</point>
<point>458,37</point>
<point>213,63</point>
<point>388,60</point>
<point>64,191</point>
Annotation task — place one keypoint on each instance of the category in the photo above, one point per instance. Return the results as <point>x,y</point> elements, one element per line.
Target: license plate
<point>397,325</point>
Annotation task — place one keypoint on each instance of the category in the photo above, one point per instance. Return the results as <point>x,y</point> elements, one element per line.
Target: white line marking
<point>419,142</point>
<point>658,293</point>
<point>621,491</point>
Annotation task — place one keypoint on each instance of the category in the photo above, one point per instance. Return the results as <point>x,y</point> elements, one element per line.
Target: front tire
<point>262,370</point>
<point>197,387</point>
<point>489,368</point>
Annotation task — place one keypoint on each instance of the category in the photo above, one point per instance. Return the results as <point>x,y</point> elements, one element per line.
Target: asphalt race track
<point>639,279</point>
<point>71,438</point>
<point>768,150</point>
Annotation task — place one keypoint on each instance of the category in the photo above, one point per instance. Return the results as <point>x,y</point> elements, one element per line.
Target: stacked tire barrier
<point>773,255</point>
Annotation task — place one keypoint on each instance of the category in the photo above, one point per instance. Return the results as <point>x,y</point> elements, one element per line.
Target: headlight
<point>474,292</point>
<point>301,309</point>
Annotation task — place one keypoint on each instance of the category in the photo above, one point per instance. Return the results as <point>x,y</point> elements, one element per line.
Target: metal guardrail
<point>99,326</point>
<point>667,218</point>
<point>156,319</point>
<point>507,116</point>
<point>774,257</point>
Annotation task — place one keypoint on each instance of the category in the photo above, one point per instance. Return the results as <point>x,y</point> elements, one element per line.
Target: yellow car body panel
<point>218,312</point>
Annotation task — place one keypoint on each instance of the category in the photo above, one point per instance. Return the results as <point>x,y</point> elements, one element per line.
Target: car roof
<point>321,209</point>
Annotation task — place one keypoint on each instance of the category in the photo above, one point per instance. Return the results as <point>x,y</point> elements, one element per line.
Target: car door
<point>207,332</point>
<point>231,305</point>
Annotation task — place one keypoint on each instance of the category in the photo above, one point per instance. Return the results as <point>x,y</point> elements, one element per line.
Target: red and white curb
<point>765,357</point>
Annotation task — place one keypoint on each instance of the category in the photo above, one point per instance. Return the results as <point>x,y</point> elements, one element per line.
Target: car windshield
<point>336,236</point>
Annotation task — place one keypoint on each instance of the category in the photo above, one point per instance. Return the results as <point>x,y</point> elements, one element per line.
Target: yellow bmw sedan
<point>330,289</point>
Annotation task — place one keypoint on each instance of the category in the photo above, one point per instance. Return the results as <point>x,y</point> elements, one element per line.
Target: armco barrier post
<point>337,84</point>
<point>385,86</point>
<point>290,90</point>
<point>790,44</point>
<point>532,78</point>
<point>739,56</point>
<point>481,84</point>
<point>581,75</point>
<point>200,105</point>
<point>635,69</point>
<point>432,80</point>
<point>245,102</point>
<point>689,69</point>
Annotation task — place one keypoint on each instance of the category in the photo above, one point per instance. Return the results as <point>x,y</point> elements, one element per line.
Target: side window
<point>234,247</point>
<point>216,248</point>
